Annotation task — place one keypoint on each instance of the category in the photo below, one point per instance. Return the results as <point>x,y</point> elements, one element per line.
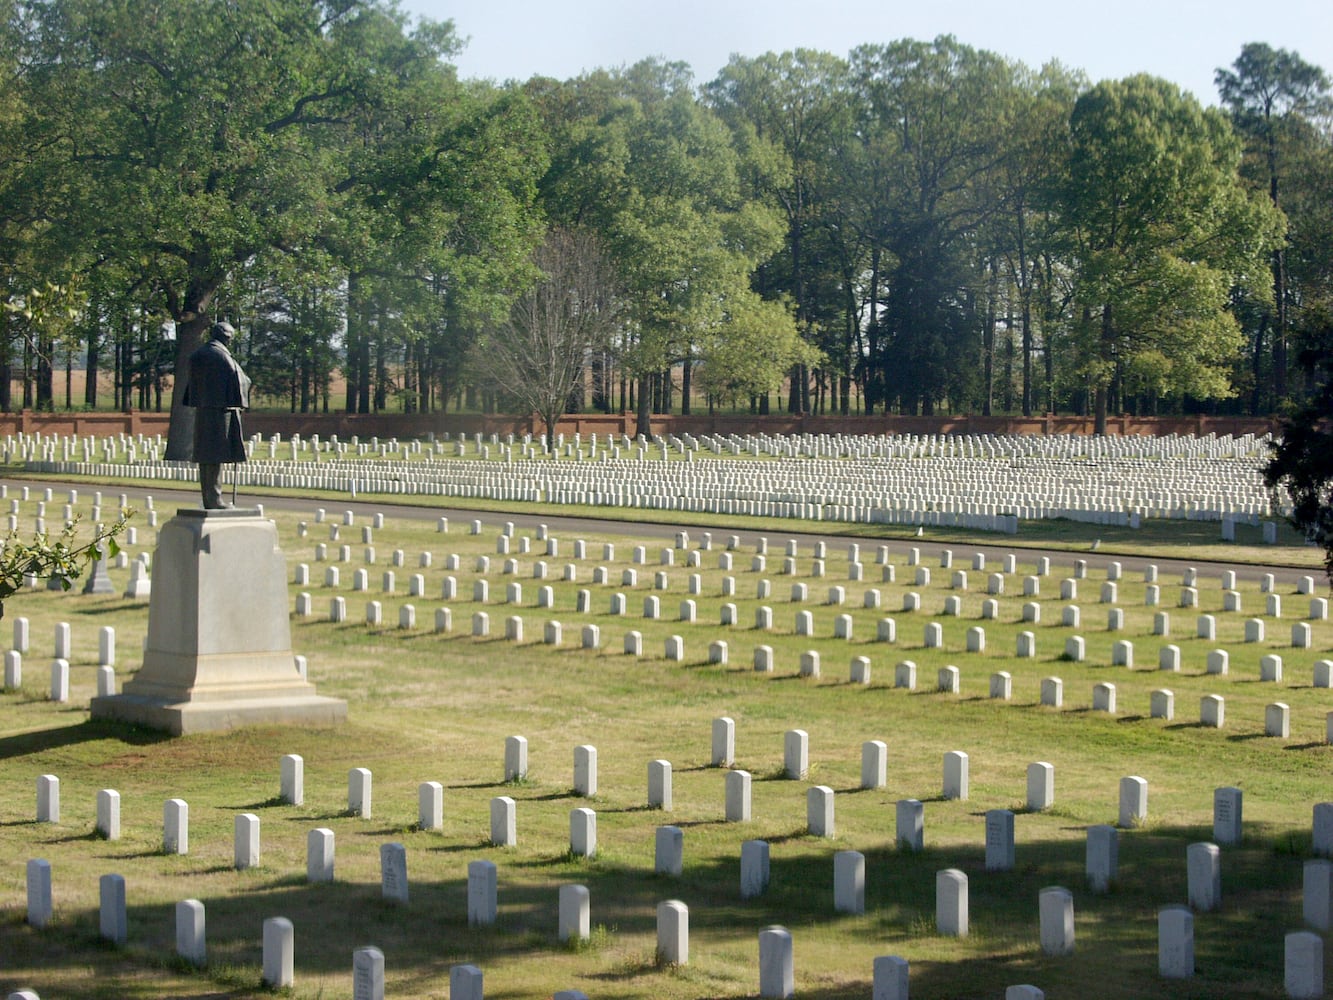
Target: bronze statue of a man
<point>218,390</point>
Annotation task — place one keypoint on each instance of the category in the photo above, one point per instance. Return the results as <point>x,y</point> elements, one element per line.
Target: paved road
<point>1169,570</point>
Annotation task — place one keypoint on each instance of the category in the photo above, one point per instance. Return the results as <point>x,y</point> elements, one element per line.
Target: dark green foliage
<point>1302,461</point>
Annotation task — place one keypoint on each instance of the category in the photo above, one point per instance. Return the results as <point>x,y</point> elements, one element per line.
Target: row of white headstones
<point>1276,716</point>
<point>815,810</point>
<point>983,482</point>
<point>1212,707</point>
<point>1303,955</point>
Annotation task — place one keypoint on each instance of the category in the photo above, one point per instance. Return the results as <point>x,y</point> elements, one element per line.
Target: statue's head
<point>222,331</point>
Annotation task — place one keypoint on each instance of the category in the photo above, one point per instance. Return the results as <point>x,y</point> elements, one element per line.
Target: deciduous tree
<point>1273,94</point>
<point>934,113</point>
<point>195,136</point>
<point>1163,229</point>
<point>1301,465</point>
<point>798,104</point>
<point>538,355</point>
<point>750,350</point>
<point>637,158</point>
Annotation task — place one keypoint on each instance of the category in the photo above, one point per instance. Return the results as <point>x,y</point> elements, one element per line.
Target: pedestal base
<point>219,643</point>
<point>185,717</point>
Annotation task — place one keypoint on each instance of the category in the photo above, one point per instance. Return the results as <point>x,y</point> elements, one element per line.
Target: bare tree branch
<point>537,357</point>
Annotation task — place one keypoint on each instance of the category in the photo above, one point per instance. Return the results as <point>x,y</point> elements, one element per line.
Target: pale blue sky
<point>1182,40</point>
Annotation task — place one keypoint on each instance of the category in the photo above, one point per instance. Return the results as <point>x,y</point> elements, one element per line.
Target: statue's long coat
<point>218,390</point>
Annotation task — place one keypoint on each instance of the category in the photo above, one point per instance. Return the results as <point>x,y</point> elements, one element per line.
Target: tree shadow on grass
<point>331,918</point>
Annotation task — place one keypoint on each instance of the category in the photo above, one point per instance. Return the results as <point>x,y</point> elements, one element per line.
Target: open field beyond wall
<point>438,706</point>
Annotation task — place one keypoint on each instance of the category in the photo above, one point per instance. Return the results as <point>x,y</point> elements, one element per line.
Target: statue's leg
<point>209,485</point>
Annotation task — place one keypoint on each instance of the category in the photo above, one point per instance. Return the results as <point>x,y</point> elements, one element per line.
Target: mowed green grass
<point>437,707</point>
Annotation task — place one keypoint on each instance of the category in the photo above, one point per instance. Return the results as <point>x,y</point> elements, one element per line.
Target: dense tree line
<point>916,227</point>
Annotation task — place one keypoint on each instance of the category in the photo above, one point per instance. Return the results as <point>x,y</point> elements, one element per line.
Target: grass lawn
<point>427,706</point>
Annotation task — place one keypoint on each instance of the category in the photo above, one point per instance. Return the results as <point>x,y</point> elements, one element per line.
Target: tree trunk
<point>1050,370</point>
<point>548,421</point>
<point>1257,395</point>
<point>988,363</point>
<point>92,363</point>
<point>642,418</point>
<point>27,374</point>
<point>45,376</point>
<point>599,391</point>
<point>352,366</point>
<point>1025,306</point>
<point>873,381</point>
<point>6,363</point>
<point>1026,320</point>
<point>1280,327</point>
<point>190,314</point>
<point>1100,398</point>
<point>851,348</point>
<point>577,400</point>
<point>350,369</point>
<point>118,370</point>
<point>1279,282</point>
<point>1009,359</point>
<point>381,371</point>
<point>363,372</point>
<point>1048,331</point>
<point>144,378</point>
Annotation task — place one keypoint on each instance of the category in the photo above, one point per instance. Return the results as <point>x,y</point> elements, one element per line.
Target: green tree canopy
<point>934,113</point>
<point>920,212</point>
<point>1274,96</point>
<point>637,157</point>
<point>1162,230</point>
<point>195,136</point>
<point>792,110</point>
<point>1301,465</point>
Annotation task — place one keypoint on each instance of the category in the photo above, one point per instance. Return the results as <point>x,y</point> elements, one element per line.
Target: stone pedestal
<point>219,651</point>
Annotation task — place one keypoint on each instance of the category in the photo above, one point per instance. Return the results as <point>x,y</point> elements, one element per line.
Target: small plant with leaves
<point>63,557</point>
